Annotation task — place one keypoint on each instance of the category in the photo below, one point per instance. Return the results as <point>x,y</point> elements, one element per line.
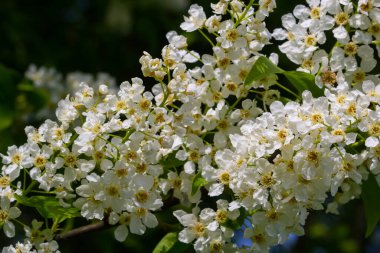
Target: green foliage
<point>197,183</point>
<point>170,244</point>
<point>171,162</point>
<point>260,69</point>
<point>370,196</point>
<point>49,207</point>
<point>6,118</point>
<point>19,99</point>
<point>36,98</point>
<point>301,81</point>
<point>166,243</point>
<point>8,87</point>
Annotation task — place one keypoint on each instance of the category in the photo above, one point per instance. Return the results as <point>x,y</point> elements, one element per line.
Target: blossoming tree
<point>222,138</point>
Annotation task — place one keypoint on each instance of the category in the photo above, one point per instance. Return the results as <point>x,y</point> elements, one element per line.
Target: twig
<point>82,230</point>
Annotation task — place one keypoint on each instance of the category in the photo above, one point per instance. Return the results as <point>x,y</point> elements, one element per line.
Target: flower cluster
<point>206,142</point>
<point>57,86</point>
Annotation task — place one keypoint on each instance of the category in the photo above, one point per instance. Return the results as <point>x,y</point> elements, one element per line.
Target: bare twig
<point>83,230</point>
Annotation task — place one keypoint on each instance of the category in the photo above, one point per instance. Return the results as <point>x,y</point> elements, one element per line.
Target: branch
<point>83,230</point>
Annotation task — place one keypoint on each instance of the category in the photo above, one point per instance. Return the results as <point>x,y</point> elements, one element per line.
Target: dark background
<point>110,36</point>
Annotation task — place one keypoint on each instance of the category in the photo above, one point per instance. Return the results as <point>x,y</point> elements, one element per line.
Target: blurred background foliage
<point>110,36</point>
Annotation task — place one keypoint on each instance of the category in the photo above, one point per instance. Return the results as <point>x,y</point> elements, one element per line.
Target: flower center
<point>310,40</point>
<point>3,216</point>
<point>199,229</point>
<point>374,28</point>
<point>4,182</point>
<point>374,129</point>
<point>70,160</point>
<point>112,190</point>
<point>221,216</point>
<point>328,77</point>
<point>313,156</point>
<point>315,13</point>
<point>141,196</point>
<point>39,161</point>
<point>341,18</point>
<point>16,159</point>
<point>350,49</point>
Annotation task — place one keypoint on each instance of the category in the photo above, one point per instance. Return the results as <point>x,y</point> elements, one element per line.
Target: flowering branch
<point>215,135</point>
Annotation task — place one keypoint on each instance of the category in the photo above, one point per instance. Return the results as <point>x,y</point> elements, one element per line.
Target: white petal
<point>145,181</point>
<point>191,57</point>
<point>186,236</point>
<point>121,233</point>
<point>14,212</point>
<point>106,164</point>
<point>340,33</point>
<point>371,142</point>
<point>150,220</point>
<point>189,167</point>
<point>9,229</point>
<point>288,21</point>
<point>301,12</point>
<point>220,140</point>
<point>213,226</point>
<point>216,190</point>
<point>136,226</point>
<point>350,138</point>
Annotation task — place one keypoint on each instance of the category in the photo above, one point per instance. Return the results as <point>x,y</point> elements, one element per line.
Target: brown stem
<point>82,230</point>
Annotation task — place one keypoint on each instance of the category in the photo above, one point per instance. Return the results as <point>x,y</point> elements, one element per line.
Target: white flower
<point>66,111</point>
<point>370,8</point>
<point>196,227</point>
<point>7,213</point>
<point>16,159</point>
<point>231,36</point>
<point>195,20</point>
<point>344,58</point>
<point>142,192</point>
<point>48,247</point>
<point>91,206</point>
<point>261,242</point>
<point>267,6</point>
<point>19,248</point>
<point>360,21</point>
<point>314,18</point>
<point>121,232</point>
<point>140,219</point>
<point>39,157</point>
<point>346,166</point>
<point>220,7</point>
<point>372,91</point>
<point>213,23</point>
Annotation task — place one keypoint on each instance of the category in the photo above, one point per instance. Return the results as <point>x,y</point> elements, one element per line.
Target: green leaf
<point>238,223</point>
<point>8,87</point>
<point>49,207</point>
<point>262,68</point>
<point>171,162</point>
<point>26,86</point>
<point>170,244</point>
<point>370,196</point>
<point>36,97</point>
<point>179,247</point>
<point>6,118</point>
<point>166,243</point>
<point>198,182</point>
<point>303,81</point>
<point>8,93</point>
